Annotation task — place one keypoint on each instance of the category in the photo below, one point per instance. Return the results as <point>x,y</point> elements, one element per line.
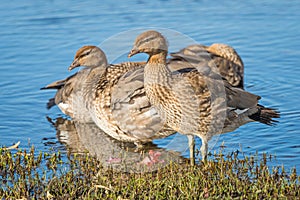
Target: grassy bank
<point>30,174</point>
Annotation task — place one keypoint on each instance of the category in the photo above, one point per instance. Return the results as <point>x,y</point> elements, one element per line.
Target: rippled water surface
<point>40,38</point>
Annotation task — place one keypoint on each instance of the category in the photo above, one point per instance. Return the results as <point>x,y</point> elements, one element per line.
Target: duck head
<point>150,42</point>
<point>89,56</point>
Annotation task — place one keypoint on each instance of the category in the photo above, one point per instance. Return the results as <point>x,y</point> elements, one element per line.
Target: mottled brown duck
<point>111,95</point>
<point>196,101</point>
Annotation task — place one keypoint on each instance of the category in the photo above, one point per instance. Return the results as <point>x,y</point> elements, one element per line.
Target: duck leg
<point>204,149</point>
<point>191,140</point>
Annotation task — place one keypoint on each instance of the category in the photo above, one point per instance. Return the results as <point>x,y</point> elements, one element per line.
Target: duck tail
<point>55,85</point>
<point>265,115</point>
<point>50,103</point>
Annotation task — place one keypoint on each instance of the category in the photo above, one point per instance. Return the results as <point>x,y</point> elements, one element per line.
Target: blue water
<point>38,40</point>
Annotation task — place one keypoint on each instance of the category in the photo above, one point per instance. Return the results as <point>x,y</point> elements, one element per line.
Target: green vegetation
<point>29,174</point>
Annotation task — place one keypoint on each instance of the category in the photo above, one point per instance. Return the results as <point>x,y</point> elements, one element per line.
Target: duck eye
<point>85,53</point>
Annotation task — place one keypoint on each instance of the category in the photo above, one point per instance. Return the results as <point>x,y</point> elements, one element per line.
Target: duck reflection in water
<point>82,137</point>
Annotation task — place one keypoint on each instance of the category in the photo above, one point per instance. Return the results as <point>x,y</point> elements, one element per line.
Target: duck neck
<point>159,58</point>
<point>156,70</point>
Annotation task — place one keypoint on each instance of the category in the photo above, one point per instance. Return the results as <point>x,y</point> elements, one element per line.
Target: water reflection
<point>87,137</point>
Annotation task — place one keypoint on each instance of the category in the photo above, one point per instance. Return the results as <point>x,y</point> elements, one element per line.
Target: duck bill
<point>74,64</point>
<point>133,52</point>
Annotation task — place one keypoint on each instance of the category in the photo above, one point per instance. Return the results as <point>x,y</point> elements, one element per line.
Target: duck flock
<point>197,91</point>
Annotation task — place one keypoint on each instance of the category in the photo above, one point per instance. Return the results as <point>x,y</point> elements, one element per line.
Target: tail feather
<point>58,84</point>
<point>51,103</point>
<point>55,85</point>
<point>265,115</point>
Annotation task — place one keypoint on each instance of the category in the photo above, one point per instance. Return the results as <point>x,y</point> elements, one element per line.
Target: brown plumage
<point>73,91</point>
<point>221,58</point>
<point>195,102</point>
<point>111,95</point>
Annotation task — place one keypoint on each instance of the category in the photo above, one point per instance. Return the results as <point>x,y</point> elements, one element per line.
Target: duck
<point>75,89</point>
<point>196,101</point>
<point>110,95</point>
